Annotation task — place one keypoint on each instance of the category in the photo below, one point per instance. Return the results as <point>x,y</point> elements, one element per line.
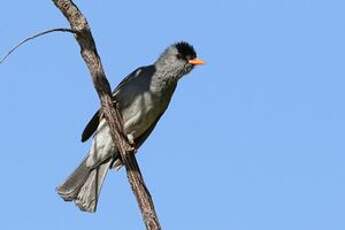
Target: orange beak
<point>196,61</point>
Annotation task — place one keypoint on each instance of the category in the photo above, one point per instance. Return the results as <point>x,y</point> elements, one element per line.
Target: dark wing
<point>92,125</point>
<point>128,78</point>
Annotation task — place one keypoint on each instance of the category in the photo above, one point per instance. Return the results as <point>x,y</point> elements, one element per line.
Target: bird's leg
<point>130,138</point>
<point>117,161</point>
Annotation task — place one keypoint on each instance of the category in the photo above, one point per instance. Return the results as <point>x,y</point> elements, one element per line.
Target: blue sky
<point>252,140</point>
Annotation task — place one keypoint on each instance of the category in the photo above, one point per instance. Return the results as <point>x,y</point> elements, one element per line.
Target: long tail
<point>84,185</point>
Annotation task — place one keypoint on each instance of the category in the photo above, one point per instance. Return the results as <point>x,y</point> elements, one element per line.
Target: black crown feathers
<point>185,49</point>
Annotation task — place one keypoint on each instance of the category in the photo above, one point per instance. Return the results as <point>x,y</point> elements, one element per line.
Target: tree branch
<point>89,53</point>
<point>33,37</point>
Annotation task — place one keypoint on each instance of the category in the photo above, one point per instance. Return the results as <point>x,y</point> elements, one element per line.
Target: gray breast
<point>141,113</point>
<point>143,101</point>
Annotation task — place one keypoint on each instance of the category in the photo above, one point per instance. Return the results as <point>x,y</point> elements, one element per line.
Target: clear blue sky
<point>255,139</point>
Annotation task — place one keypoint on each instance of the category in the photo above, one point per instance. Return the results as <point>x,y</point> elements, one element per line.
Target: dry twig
<point>33,37</point>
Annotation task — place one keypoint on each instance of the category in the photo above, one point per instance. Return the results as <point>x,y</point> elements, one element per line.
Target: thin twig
<point>33,37</point>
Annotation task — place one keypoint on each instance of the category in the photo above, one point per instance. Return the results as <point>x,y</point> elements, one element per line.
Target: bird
<point>142,98</point>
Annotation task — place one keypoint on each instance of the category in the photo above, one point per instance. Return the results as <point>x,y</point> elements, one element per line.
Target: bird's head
<point>178,59</point>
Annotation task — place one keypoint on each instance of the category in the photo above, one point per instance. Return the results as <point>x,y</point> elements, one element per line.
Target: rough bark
<point>89,53</point>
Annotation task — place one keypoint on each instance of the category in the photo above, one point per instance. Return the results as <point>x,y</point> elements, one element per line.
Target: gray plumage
<point>142,97</point>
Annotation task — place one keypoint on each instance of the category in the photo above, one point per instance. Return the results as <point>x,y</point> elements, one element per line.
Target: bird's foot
<point>130,139</point>
<point>131,142</point>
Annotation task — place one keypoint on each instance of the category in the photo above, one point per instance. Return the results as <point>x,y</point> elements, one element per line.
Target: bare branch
<point>90,55</point>
<point>33,37</point>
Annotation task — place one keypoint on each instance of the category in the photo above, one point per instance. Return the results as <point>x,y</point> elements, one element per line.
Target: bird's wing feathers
<point>127,79</point>
<point>92,125</point>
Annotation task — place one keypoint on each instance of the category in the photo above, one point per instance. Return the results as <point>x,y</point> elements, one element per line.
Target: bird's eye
<point>178,56</point>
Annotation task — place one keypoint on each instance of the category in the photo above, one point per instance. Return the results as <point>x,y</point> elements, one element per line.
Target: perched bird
<point>142,98</point>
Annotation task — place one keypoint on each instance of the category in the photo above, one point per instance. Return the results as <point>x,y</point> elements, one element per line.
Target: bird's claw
<point>130,139</point>
<point>132,146</point>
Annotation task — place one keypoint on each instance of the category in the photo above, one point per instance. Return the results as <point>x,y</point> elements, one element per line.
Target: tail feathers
<point>88,194</point>
<point>70,188</point>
